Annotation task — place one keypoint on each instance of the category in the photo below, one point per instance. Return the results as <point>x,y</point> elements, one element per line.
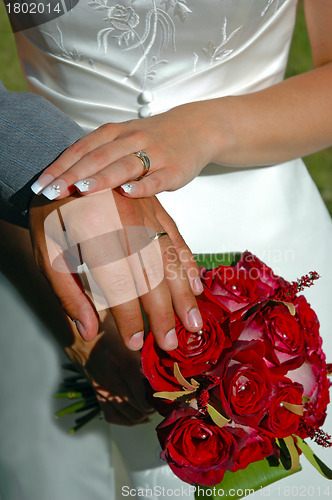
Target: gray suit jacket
<point>33,133</point>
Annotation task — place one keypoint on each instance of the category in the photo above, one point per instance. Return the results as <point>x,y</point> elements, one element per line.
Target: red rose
<point>240,287</point>
<point>197,450</point>
<point>282,422</point>
<point>312,375</point>
<point>195,354</point>
<point>280,332</point>
<point>257,447</point>
<point>231,287</point>
<point>245,389</point>
<point>284,331</point>
<point>309,324</point>
<point>261,272</point>
<point>316,407</point>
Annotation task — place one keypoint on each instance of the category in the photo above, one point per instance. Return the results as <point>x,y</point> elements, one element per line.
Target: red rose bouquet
<point>251,384</point>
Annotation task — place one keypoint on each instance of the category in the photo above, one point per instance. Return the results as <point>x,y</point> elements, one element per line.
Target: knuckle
<point>188,260</point>
<point>154,272</point>
<point>168,250</point>
<point>128,165</point>
<point>177,238</point>
<point>69,177</point>
<point>158,182</point>
<point>132,322</point>
<point>175,179</point>
<point>104,178</point>
<point>67,302</point>
<point>168,254</point>
<point>106,128</point>
<point>187,296</point>
<point>90,236</point>
<point>138,138</point>
<point>42,261</point>
<point>77,150</point>
<point>171,224</point>
<point>120,282</point>
<point>165,317</point>
<point>97,157</point>
<point>184,253</point>
<point>126,162</point>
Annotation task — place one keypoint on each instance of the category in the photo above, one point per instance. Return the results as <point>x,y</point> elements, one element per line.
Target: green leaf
<point>76,407</point>
<point>81,422</point>
<point>68,395</point>
<point>254,477</point>
<point>297,409</point>
<point>213,260</point>
<point>171,395</point>
<point>284,456</point>
<point>182,381</point>
<point>313,459</point>
<point>290,307</point>
<point>217,418</point>
<point>291,451</point>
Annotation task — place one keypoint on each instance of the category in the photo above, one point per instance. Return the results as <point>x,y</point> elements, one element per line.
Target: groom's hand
<point>96,229</point>
<point>112,369</point>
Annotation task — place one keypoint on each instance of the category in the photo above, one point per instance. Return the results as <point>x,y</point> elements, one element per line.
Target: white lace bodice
<point>111,61</point>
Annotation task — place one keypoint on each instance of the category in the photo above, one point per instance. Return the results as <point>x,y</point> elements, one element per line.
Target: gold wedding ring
<point>145,161</point>
<point>159,235</point>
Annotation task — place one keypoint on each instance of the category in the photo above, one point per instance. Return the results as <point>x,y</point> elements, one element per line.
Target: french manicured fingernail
<point>171,340</point>
<point>129,188</point>
<point>136,341</point>
<point>195,318</point>
<point>198,286</point>
<point>54,190</point>
<point>41,183</point>
<point>86,185</point>
<point>80,328</point>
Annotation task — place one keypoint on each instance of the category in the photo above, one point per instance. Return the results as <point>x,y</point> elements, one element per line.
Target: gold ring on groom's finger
<point>145,161</point>
<point>159,235</point>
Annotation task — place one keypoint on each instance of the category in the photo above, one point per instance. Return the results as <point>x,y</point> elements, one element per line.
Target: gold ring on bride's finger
<point>145,161</point>
<point>159,235</point>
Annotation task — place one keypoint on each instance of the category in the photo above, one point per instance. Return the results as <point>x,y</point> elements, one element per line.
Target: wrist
<point>217,132</point>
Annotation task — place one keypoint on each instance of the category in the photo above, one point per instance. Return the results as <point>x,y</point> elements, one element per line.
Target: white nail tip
<point>86,185</point>
<point>127,188</point>
<point>54,190</point>
<point>41,183</point>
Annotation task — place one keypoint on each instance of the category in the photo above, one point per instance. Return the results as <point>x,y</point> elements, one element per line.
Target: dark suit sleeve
<point>33,133</point>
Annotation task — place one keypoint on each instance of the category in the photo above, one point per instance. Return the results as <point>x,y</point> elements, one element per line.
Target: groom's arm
<point>33,133</point>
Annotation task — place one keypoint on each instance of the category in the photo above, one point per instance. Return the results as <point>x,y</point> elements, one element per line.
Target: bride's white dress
<point>103,62</point>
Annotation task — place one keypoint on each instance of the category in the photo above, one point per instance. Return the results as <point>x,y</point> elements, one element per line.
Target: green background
<point>319,164</point>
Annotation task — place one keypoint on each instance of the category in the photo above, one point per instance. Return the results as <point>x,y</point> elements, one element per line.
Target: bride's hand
<point>178,143</point>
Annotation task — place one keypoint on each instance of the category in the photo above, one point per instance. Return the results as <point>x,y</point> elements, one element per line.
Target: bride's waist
<point>98,101</point>
<point>92,98</point>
